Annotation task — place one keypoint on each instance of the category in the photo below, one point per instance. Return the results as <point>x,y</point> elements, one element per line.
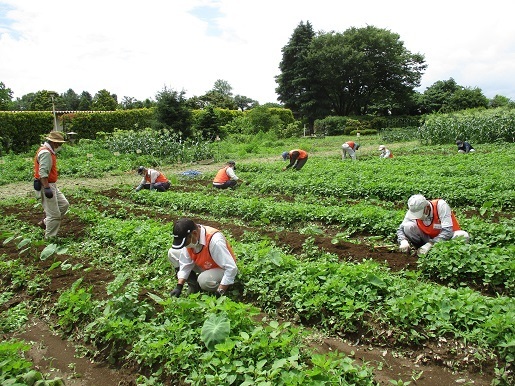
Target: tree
<point>364,66</point>
<point>296,81</point>
<point>172,111</point>
<point>6,96</point>
<point>217,99</point>
<point>42,101</point>
<point>207,123</point>
<point>130,103</point>
<point>222,87</point>
<point>346,73</point>
<point>104,101</point>
<point>438,94</point>
<point>501,101</point>
<point>69,101</point>
<point>85,101</point>
<point>466,98</point>
<point>245,103</point>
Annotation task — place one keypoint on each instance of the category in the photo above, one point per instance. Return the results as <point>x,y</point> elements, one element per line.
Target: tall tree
<point>42,101</point>
<point>6,96</point>
<point>70,101</point>
<point>363,66</point>
<point>438,94</point>
<point>172,111</point>
<point>245,103</point>
<point>104,101</point>
<point>296,82</point>
<point>222,87</point>
<point>466,98</point>
<point>85,101</point>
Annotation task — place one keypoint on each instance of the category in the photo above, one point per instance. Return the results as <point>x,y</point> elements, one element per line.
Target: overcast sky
<point>136,48</point>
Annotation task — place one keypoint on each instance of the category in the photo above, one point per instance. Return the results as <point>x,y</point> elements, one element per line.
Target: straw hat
<point>56,137</point>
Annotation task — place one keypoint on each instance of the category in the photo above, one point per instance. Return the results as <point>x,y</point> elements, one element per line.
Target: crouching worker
<point>152,179</point>
<point>427,223</point>
<point>202,257</point>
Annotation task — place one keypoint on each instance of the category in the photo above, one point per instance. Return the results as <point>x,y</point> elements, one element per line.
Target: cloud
<point>133,48</point>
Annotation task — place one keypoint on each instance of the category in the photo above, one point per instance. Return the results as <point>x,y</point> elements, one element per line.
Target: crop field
<point>323,296</point>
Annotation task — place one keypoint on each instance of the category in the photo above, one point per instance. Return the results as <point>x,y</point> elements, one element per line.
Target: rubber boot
<point>193,285</point>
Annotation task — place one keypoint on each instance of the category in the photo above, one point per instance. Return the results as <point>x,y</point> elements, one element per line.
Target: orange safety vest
<point>434,229</point>
<point>160,177</point>
<point>53,174</point>
<point>222,177</point>
<point>351,144</point>
<point>302,154</point>
<point>203,259</point>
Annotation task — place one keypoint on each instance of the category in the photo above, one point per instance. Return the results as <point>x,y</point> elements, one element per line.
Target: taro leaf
<point>376,281</point>
<point>55,265</point>
<point>61,250</point>
<point>22,243</point>
<point>215,330</point>
<point>48,251</point>
<point>156,298</point>
<point>275,258</point>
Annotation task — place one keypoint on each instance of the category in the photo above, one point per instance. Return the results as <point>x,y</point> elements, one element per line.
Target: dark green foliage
<point>172,112</point>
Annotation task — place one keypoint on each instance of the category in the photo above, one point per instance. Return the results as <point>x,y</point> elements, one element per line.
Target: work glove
<point>424,248</point>
<point>48,192</point>
<point>177,291</point>
<point>404,246</point>
<point>37,185</point>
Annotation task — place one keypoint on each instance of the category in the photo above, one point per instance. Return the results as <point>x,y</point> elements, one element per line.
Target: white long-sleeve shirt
<point>219,252</point>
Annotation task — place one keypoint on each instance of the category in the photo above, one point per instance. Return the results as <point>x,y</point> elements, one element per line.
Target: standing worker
<point>53,200</point>
<point>350,148</point>
<point>226,178</point>
<point>385,152</point>
<point>202,257</point>
<point>427,223</point>
<point>297,157</point>
<point>152,179</point>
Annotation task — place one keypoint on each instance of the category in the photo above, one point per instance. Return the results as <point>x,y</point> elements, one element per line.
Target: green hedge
<point>20,130</point>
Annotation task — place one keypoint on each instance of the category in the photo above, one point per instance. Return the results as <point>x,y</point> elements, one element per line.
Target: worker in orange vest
<point>385,152</point>
<point>152,180</point>
<point>297,157</point>
<point>202,257</point>
<point>226,177</point>
<point>350,148</point>
<point>427,223</point>
<point>53,200</point>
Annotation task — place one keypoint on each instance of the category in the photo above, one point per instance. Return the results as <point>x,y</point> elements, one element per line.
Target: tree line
<point>360,72</point>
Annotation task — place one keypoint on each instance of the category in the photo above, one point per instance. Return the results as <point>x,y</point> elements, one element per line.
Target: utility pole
<point>52,95</point>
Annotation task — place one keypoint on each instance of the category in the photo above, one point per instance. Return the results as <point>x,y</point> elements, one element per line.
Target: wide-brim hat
<point>416,205</point>
<point>181,231</point>
<point>56,137</point>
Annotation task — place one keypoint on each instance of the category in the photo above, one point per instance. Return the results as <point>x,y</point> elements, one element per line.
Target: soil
<point>439,363</point>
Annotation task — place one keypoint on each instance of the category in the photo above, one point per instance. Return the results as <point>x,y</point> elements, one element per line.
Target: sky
<point>137,48</point>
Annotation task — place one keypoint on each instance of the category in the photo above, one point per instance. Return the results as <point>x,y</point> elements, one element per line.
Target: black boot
<point>193,285</point>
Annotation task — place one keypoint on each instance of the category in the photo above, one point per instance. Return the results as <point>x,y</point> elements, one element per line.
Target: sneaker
<point>42,224</point>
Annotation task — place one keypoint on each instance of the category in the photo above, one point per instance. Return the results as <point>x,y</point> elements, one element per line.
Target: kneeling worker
<point>152,179</point>
<point>427,223</point>
<point>202,257</point>
<point>226,178</point>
